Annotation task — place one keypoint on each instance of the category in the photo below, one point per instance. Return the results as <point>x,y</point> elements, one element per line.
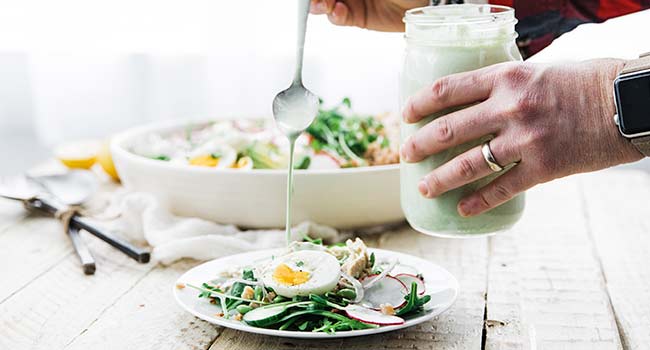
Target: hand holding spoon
<point>295,108</point>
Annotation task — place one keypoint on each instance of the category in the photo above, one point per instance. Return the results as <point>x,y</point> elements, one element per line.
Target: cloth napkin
<point>139,217</point>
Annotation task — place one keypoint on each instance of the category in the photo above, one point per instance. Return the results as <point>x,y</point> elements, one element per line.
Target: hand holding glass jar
<point>480,127</point>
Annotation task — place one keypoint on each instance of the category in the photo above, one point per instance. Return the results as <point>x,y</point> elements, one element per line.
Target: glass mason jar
<point>442,40</point>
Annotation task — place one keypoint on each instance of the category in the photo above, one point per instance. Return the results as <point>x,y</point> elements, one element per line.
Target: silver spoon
<point>295,108</point>
<point>73,187</point>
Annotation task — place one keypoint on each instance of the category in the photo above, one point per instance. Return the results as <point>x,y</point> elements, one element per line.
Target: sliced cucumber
<point>269,314</point>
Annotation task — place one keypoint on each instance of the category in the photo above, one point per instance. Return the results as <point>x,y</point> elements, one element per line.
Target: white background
<point>76,69</point>
<point>73,69</point>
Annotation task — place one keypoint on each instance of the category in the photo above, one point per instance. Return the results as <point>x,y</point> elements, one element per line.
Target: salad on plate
<point>338,138</point>
<point>317,288</point>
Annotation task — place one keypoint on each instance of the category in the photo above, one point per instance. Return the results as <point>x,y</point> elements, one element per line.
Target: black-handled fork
<point>79,222</point>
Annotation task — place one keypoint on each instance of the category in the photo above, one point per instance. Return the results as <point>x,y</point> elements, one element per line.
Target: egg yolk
<point>207,160</point>
<point>283,274</point>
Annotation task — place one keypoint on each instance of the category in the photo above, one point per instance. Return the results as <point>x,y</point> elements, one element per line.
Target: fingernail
<point>424,188</point>
<point>319,7</point>
<point>405,112</point>
<point>465,208</point>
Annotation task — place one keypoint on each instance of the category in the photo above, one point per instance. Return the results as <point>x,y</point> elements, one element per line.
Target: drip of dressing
<point>295,108</point>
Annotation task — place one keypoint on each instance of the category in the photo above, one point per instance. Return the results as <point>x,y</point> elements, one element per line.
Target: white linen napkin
<point>138,216</point>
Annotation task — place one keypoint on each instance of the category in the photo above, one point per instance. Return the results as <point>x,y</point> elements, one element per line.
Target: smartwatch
<point>632,99</point>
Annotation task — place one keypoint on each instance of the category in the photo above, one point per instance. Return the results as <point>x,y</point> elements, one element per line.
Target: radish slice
<point>366,315</point>
<point>388,290</point>
<point>408,279</point>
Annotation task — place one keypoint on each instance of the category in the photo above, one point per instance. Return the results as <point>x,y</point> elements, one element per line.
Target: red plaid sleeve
<point>541,21</point>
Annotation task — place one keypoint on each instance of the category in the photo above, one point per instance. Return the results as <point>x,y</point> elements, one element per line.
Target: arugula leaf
<point>413,302</point>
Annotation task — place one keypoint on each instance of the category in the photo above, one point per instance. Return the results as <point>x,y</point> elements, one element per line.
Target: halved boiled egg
<point>302,273</point>
<point>213,155</point>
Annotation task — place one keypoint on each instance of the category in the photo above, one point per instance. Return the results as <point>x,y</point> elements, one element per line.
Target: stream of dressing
<point>296,108</point>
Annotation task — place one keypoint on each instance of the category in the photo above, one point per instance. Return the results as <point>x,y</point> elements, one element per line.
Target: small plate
<point>439,283</point>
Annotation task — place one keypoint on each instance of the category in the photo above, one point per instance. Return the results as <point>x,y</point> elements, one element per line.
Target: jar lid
<point>460,22</point>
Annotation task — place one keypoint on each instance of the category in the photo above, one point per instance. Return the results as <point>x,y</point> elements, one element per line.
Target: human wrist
<point>622,148</point>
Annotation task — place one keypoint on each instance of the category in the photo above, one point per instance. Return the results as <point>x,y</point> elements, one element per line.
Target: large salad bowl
<point>255,198</point>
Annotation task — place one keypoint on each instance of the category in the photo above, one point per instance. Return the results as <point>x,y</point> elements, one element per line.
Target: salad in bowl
<point>313,288</point>
<point>338,138</point>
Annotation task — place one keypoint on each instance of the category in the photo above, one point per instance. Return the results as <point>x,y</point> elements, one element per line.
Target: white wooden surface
<point>573,274</point>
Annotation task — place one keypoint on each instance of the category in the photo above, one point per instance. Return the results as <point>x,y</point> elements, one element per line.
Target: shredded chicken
<point>376,155</point>
<point>357,258</point>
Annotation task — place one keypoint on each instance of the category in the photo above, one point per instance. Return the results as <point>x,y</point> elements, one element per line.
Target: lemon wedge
<point>77,155</point>
<point>105,159</point>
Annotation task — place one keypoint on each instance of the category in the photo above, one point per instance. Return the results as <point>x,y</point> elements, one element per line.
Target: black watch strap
<point>642,63</point>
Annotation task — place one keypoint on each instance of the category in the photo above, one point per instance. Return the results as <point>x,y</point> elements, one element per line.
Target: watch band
<point>642,143</point>
<point>641,63</point>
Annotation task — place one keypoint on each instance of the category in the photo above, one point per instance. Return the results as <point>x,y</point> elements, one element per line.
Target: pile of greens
<point>313,313</point>
<point>337,132</point>
<point>348,136</point>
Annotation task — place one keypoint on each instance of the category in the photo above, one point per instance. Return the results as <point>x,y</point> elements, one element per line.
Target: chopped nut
<point>270,296</point>
<point>238,317</point>
<point>180,285</point>
<point>387,309</point>
<point>254,305</point>
<point>248,293</point>
<point>219,314</point>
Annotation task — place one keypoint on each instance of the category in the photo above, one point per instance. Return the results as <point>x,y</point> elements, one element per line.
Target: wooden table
<point>573,274</point>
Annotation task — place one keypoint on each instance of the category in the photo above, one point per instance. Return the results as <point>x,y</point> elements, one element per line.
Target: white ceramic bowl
<point>342,198</point>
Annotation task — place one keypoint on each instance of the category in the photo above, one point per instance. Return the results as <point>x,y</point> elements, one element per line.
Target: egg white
<point>324,273</point>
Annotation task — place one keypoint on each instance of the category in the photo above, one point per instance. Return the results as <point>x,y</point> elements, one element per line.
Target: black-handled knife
<point>81,223</point>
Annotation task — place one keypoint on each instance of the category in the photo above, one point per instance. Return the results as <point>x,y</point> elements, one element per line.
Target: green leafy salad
<point>318,288</point>
<point>338,138</point>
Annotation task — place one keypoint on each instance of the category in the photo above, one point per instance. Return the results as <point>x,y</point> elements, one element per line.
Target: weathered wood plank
<point>61,303</point>
<point>11,212</point>
<point>459,328</point>
<point>27,250</point>
<point>545,287</point>
<point>149,308</point>
<point>619,216</point>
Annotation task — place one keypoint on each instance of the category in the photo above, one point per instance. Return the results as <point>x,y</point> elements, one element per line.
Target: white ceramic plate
<point>439,283</point>
<point>341,198</point>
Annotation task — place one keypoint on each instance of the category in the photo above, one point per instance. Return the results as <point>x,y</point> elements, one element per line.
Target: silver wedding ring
<point>489,157</point>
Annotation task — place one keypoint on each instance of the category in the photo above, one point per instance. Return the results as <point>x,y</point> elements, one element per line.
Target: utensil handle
<point>303,13</point>
<point>79,222</point>
<point>140,255</point>
<point>85,257</point>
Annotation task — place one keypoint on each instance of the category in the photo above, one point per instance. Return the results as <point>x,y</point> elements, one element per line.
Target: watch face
<point>633,103</point>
